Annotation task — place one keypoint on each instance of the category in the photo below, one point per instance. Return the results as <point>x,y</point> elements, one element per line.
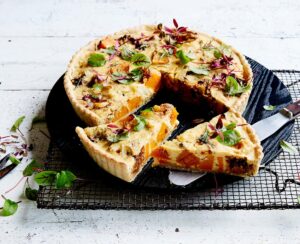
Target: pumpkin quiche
<point>226,144</point>
<point>110,78</point>
<point>124,147</point>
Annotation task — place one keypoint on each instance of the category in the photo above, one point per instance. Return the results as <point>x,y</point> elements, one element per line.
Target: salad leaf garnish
<point>127,53</point>
<point>31,194</point>
<point>45,178</point>
<point>123,78</point>
<point>96,60</point>
<point>32,168</point>
<point>288,147</point>
<point>17,124</point>
<point>269,107</point>
<point>184,59</point>
<point>140,123</point>
<point>140,59</point>
<point>204,137</point>
<point>198,70</point>
<point>233,88</point>
<point>64,179</point>
<point>230,137</point>
<point>9,207</point>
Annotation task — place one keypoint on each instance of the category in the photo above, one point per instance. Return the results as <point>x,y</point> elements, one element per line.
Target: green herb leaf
<point>64,179</point>
<point>31,194</point>
<point>96,60</point>
<point>233,88</point>
<point>14,160</point>
<point>288,147</point>
<point>198,70</point>
<point>217,54</point>
<point>45,178</point>
<point>204,138</point>
<point>9,207</point>
<point>141,123</point>
<point>140,59</point>
<point>231,137</point>
<point>127,53</point>
<point>32,167</point>
<point>269,107</point>
<point>117,138</point>
<point>136,74</point>
<point>231,126</point>
<point>17,124</point>
<point>184,59</point>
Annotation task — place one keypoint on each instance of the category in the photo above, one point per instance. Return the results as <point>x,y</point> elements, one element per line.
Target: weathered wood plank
<point>91,18</point>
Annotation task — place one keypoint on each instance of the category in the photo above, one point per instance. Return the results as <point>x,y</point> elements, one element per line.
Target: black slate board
<point>62,120</point>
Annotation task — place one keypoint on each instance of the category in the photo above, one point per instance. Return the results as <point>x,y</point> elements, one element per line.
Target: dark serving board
<point>62,120</point>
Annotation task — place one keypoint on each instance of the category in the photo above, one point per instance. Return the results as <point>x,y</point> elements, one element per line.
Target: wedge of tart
<point>123,148</point>
<point>226,144</point>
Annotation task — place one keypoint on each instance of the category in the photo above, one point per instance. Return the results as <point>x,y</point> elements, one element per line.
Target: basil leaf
<point>141,123</point>
<point>96,60</point>
<point>184,59</point>
<point>269,107</point>
<point>233,88</point>
<point>288,147</point>
<point>198,70</point>
<point>127,53</point>
<point>45,178</point>
<point>231,138</point>
<point>217,54</point>
<point>31,194</point>
<point>117,138</point>
<point>17,124</point>
<point>9,207</point>
<point>14,160</point>
<point>204,137</point>
<point>32,167</point>
<point>136,74</point>
<point>140,59</point>
<point>231,126</point>
<point>64,179</point>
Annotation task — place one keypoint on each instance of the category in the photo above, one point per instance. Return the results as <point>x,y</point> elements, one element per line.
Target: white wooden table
<point>37,38</point>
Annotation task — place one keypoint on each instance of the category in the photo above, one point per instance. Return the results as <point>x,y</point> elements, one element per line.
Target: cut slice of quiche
<point>124,147</point>
<point>226,144</point>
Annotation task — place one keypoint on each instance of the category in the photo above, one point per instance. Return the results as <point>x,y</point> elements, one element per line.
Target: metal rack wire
<point>260,192</point>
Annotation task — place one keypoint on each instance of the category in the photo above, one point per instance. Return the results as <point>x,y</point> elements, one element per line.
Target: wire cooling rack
<point>275,187</point>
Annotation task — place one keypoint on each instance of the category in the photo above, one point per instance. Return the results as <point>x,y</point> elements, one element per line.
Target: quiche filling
<point>226,144</point>
<point>130,141</point>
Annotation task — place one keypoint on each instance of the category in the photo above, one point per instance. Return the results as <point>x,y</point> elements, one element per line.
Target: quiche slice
<point>226,144</point>
<point>123,148</point>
